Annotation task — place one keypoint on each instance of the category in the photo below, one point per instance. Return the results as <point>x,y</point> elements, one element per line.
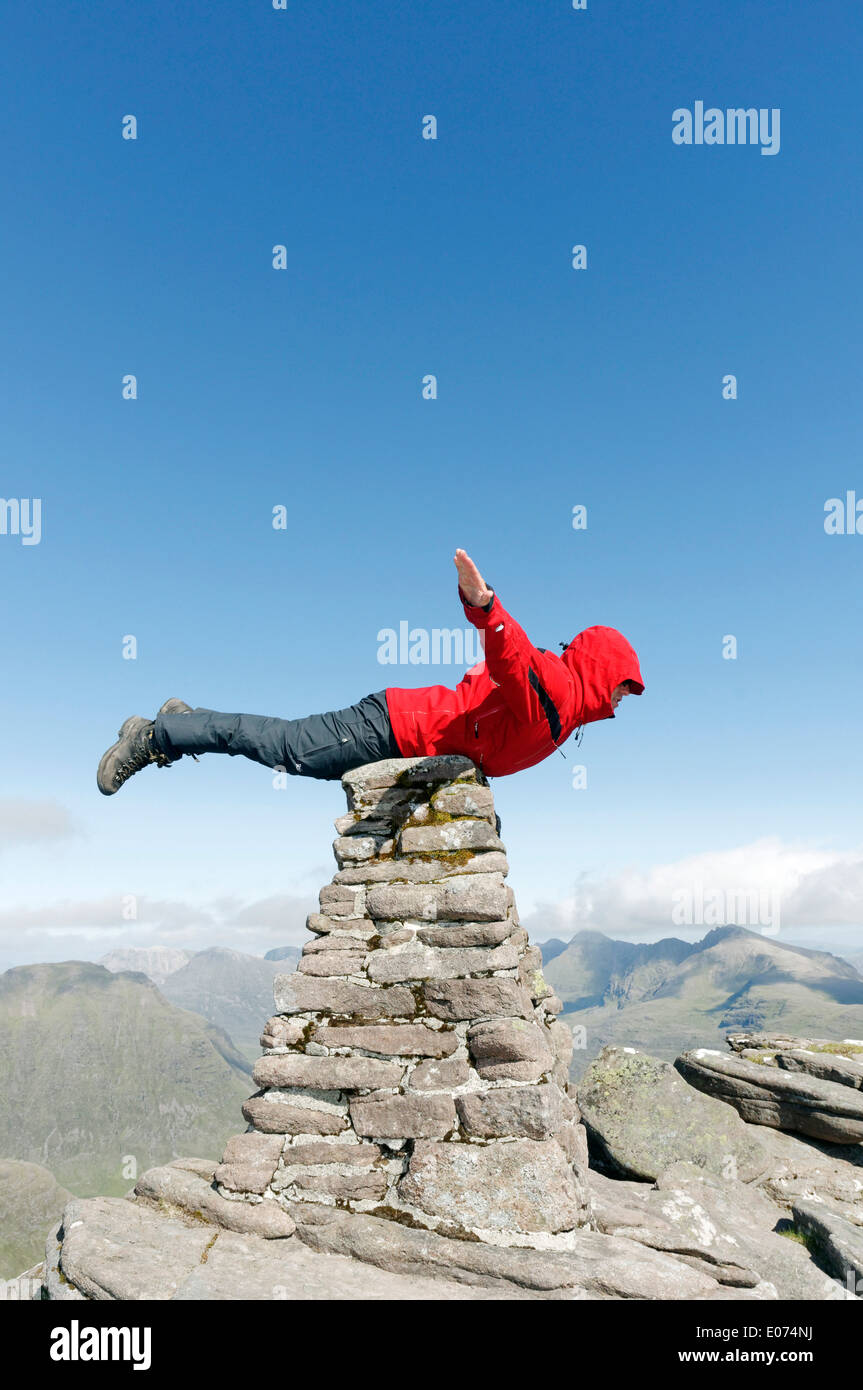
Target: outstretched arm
<point>473,589</point>
<point>533,683</point>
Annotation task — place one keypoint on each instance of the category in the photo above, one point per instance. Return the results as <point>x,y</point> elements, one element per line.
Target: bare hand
<point>471,582</point>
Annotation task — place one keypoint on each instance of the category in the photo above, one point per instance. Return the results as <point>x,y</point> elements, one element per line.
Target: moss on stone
<point>450,856</point>
<point>794,1233</point>
<point>436,817</point>
<point>403,1218</point>
<point>457,1232</point>
<point>184,1214</point>
<point>205,1254</point>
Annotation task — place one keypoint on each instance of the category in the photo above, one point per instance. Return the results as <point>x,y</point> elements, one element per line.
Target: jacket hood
<point>600,658</point>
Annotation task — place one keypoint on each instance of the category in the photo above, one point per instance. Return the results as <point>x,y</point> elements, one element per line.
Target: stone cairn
<point>415,1068</point>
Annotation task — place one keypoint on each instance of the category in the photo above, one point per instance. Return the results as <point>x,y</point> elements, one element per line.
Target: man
<point>508,713</point>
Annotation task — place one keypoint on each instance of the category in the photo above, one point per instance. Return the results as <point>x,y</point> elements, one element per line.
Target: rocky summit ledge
<point>689,1235</point>
<point>153,1248</point>
<point>791,1097</point>
<point>840,1062</point>
<point>112,1248</point>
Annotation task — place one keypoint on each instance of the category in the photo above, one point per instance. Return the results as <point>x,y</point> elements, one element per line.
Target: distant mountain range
<point>551,948</point>
<point>232,990</point>
<point>100,1076</point>
<point>109,1069</point>
<point>670,995</point>
<point>663,996</point>
<point>157,962</point>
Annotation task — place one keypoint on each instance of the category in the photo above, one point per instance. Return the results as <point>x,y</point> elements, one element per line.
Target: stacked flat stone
<point>415,1067</point>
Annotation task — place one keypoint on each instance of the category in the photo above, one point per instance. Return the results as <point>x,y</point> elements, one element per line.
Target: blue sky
<point>302,387</point>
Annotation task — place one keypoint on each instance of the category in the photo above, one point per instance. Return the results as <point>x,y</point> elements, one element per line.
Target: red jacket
<point>521,703</point>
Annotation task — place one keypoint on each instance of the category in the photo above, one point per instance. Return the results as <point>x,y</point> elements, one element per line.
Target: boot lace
<point>140,758</point>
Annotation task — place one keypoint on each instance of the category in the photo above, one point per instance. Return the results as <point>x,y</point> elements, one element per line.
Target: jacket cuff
<point>479,616</point>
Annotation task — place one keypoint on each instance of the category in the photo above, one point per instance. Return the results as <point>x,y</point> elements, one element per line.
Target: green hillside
<point>101,1077</point>
<point>31,1202</point>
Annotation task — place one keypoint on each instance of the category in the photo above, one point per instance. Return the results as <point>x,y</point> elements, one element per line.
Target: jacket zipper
<point>549,708</point>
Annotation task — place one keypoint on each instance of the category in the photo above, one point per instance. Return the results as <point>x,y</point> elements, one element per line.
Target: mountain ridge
<point>662,997</point>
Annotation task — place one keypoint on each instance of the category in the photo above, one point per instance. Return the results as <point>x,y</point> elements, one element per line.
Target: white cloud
<point>28,822</point>
<point>815,887</point>
<point>83,929</point>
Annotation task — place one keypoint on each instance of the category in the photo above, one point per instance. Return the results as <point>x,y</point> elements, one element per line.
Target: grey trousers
<point>319,745</point>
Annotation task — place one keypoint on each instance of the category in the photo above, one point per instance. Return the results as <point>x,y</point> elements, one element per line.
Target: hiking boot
<point>133,750</point>
<point>174,706</point>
